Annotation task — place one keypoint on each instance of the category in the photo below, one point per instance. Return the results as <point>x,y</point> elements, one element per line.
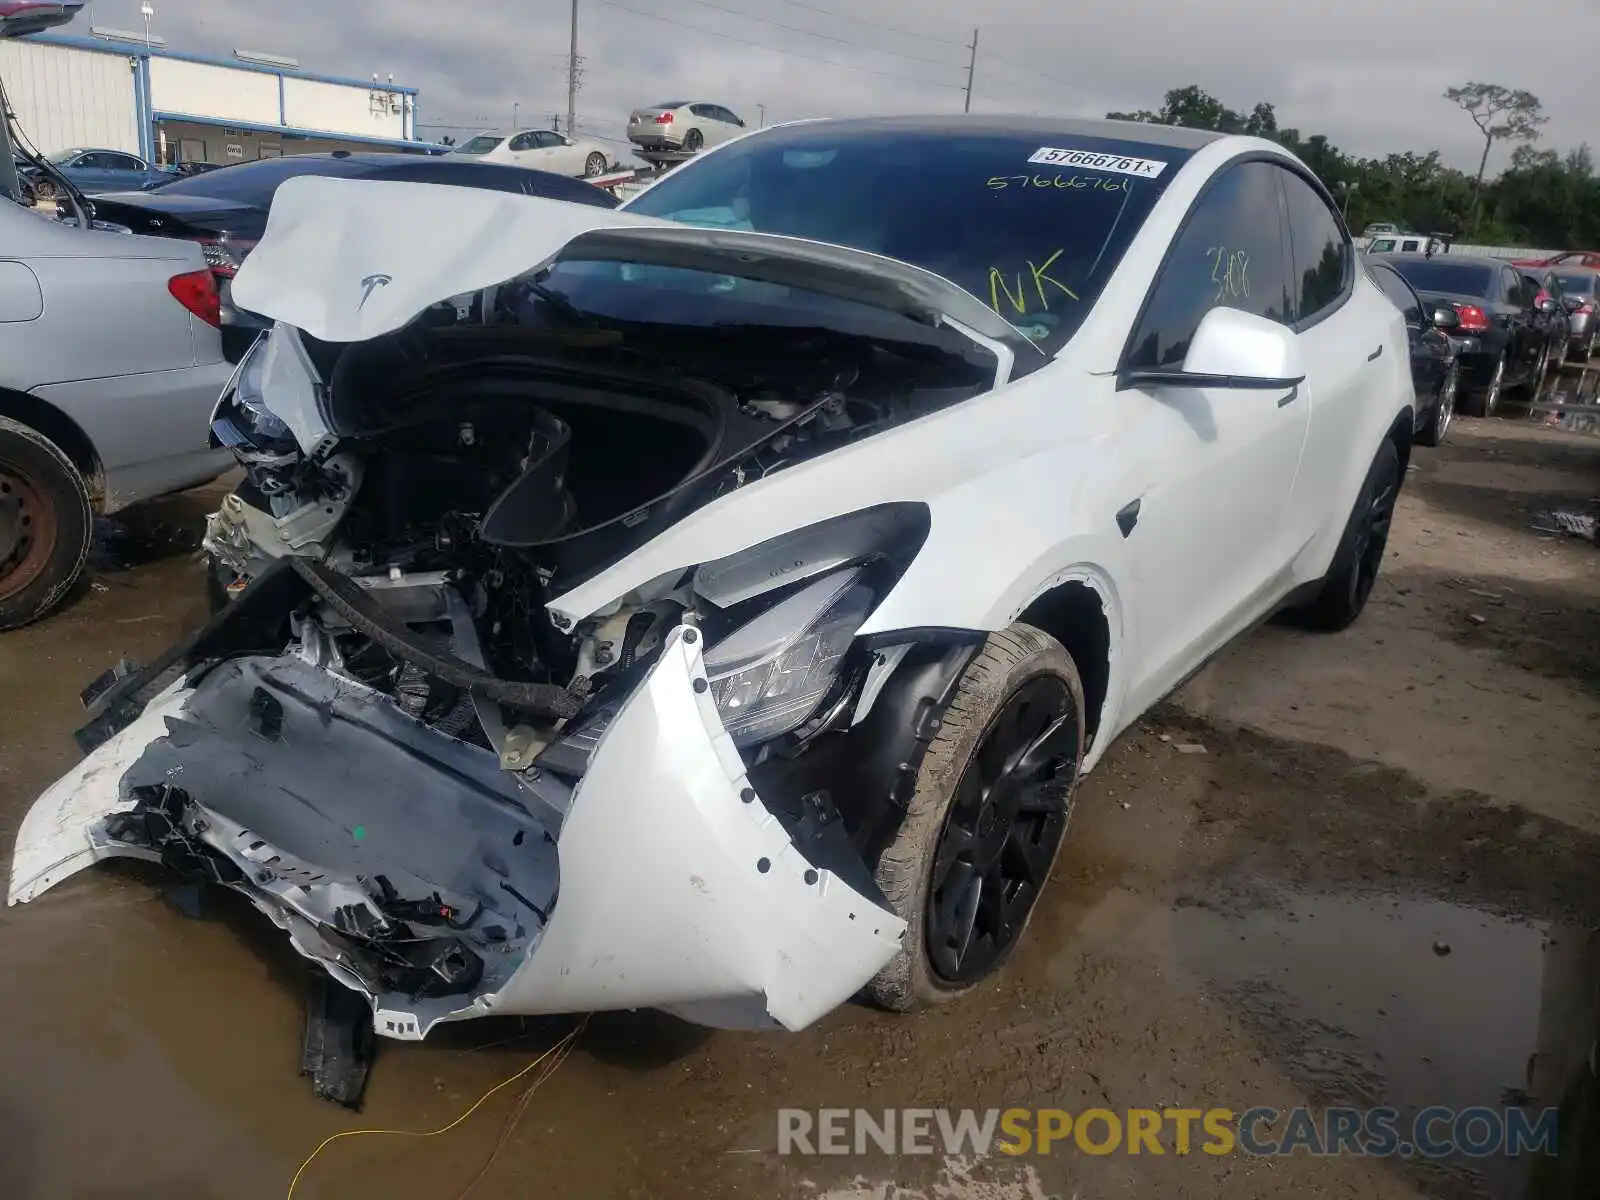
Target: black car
<point>226,210</point>
<point>1550,301</point>
<point>1504,336</point>
<point>1435,363</point>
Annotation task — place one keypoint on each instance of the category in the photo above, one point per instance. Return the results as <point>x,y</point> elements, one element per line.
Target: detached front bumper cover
<point>676,887</point>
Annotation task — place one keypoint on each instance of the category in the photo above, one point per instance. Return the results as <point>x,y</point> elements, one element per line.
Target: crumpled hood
<point>351,259</point>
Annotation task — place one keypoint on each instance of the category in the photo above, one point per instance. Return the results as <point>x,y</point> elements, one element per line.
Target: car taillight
<point>664,119</point>
<point>1585,309</point>
<point>197,291</point>
<point>1540,297</point>
<point>1473,318</point>
<point>225,255</point>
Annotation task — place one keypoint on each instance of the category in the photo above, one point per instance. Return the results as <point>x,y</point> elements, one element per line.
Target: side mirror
<point>1230,349</point>
<point>1446,318</point>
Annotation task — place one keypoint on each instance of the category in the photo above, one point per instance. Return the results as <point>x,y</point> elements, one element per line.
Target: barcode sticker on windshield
<point>1144,168</point>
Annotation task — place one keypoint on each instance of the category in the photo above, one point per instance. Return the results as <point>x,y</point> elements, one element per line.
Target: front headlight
<point>770,675</point>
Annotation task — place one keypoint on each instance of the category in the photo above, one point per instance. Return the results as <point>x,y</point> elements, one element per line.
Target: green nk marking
<point>998,285</point>
<point>360,832</point>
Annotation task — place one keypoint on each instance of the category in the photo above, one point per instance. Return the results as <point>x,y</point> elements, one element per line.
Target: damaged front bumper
<point>422,875</point>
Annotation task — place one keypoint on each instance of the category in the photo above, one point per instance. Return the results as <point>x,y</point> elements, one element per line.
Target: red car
<point>1569,258</point>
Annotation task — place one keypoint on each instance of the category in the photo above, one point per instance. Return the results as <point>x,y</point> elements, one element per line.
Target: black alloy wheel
<point>1001,834</point>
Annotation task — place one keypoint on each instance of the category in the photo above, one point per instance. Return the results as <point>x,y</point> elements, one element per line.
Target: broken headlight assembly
<point>770,675</point>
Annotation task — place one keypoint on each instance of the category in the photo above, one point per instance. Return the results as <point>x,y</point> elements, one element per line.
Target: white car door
<point>1209,470</point>
<point>1354,346</point>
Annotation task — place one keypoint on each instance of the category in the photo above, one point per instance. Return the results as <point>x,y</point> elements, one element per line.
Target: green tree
<point>1500,114</point>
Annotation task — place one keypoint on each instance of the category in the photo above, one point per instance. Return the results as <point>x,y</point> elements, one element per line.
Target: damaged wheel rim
<point>1004,825</point>
<point>27,531</point>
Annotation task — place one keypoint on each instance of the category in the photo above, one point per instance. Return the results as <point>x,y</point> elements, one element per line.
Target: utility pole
<point>763,109</point>
<point>516,113</point>
<point>572,74</point>
<point>972,66</point>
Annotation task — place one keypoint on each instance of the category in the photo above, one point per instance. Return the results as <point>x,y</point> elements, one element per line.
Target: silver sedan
<point>110,365</point>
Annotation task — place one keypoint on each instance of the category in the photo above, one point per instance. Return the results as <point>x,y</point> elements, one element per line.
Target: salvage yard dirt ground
<point>1377,884</point>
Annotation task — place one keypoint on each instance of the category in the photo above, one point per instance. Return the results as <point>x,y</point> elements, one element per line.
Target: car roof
<point>948,125</point>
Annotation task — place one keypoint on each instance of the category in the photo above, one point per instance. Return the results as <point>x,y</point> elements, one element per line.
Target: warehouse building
<point>169,107</point>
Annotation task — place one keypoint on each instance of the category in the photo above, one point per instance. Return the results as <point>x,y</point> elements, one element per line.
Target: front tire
<point>693,140</point>
<point>1348,584</point>
<point>980,835</point>
<point>46,524</point>
<point>45,189</point>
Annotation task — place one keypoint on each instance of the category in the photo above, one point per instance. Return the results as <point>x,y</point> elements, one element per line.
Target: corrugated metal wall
<point>65,97</point>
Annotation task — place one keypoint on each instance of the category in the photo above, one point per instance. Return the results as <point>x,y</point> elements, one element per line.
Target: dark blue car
<point>94,171</point>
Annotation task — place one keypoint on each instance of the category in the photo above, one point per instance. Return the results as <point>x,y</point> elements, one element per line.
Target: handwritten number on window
<point>1230,271</point>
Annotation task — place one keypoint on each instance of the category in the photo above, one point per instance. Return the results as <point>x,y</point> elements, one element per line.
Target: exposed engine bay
<point>502,451</point>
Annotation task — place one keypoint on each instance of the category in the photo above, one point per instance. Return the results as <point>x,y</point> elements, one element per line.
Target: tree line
<point>1543,199</point>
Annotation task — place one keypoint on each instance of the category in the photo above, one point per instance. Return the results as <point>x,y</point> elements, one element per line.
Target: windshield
<point>481,144</point>
<point>1582,285</point>
<point>1431,275</point>
<point>1036,241</point>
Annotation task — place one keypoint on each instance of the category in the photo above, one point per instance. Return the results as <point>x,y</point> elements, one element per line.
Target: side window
<point>726,114</point>
<point>548,139</point>
<point>1400,295</point>
<point>1411,246</point>
<point>524,141</point>
<point>700,110</point>
<point>1322,254</point>
<point>122,162</point>
<point>1229,252</point>
<point>1382,246</point>
<point>93,162</point>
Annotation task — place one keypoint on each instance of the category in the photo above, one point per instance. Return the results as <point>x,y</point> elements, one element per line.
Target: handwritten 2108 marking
<point>1230,271</point>
<point>1018,299</point>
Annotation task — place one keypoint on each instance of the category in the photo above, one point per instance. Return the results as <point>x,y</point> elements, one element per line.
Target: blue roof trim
<point>134,50</point>
<point>294,131</point>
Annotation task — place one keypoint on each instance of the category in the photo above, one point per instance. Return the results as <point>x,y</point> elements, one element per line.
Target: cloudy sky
<point>1369,73</point>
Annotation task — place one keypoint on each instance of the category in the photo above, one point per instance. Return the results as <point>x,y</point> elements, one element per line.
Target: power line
<point>827,37</point>
<point>839,16</point>
<point>831,62</point>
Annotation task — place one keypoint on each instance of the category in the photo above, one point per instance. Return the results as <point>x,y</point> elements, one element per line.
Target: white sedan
<point>540,150</point>
<point>790,543</point>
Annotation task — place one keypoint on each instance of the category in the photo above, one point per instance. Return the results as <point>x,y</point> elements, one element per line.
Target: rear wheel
<point>1530,386</point>
<point>1348,584</point>
<point>980,835</point>
<point>46,524</point>
<point>1486,401</point>
<point>693,140</point>
<point>1444,409</point>
<point>594,165</point>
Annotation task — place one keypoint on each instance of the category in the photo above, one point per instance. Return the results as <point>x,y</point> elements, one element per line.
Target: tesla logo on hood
<point>371,284</point>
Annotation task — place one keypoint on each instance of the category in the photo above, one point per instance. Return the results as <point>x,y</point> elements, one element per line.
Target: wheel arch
<point>1402,432</point>
<point>44,417</point>
<point>1074,612</point>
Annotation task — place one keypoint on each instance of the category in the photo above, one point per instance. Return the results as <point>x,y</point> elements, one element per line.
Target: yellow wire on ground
<point>563,1044</point>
